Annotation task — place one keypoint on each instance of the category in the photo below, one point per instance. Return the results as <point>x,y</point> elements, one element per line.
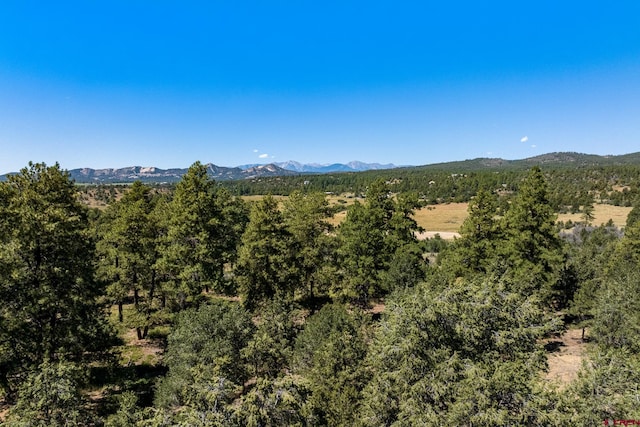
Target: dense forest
<point>263,313</point>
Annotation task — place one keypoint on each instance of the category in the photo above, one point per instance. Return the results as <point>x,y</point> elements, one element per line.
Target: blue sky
<point>166,83</point>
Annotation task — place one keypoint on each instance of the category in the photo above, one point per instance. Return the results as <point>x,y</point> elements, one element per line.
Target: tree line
<point>569,188</point>
<point>269,308</point>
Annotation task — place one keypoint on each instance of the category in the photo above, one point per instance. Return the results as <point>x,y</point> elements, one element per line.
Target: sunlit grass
<point>602,214</point>
<point>449,217</point>
<point>444,217</point>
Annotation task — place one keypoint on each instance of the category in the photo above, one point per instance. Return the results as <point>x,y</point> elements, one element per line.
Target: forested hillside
<point>573,180</point>
<point>187,305</point>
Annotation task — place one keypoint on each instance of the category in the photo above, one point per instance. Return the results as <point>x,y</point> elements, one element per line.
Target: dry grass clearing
<point>445,217</point>
<point>338,218</point>
<point>566,357</point>
<point>343,199</point>
<point>449,217</point>
<point>602,214</point>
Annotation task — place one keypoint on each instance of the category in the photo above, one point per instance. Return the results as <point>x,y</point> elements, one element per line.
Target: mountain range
<point>291,168</point>
<point>153,174</point>
<point>354,166</point>
<point>221,173</point>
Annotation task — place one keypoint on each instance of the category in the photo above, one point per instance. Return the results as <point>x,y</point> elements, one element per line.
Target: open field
<point>444,219</point>
<point>602,214</point>
<point>447,218</point>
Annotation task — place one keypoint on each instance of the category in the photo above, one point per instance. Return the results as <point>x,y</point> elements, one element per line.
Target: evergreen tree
<point>628,250</point>
<point>590,255</point>
<point>466,355</point>
<point>604,390</point>
<point>269,350</point>
<point>362,255</point>
<point>128,250</point>
<point>204,351</point>
<point>267,262</point>
<point>196,246</point>
<point>305,216</point>
<point>274,403</point>
<point>634,215</point>
<point>406,269</point>
<point>477,249</point>
<point>369,238</point>
<point>605,387</point>
<point>51,397</point>
<point>616,322</point>
<point>402,227</point>
<point>329,353</point>
<point>533,251</point>
<point>128,413</point>
<point>48,296</point>
<point>588,210</point>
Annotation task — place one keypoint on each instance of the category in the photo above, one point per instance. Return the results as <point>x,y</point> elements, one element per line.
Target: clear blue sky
<point>166,83</point>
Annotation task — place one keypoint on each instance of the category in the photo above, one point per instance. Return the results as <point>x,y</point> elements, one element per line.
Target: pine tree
<point>477,249</point>
<point>48,296</point>
<point>369,238</point>
<point>305,216</point>
<point>198,236</point>
<point>128,251</point>
<point>590,255</point>
<point>532,253</point>
<point>362,254</point>
<point>267,262</point>
<point>329,353</point>
<point>634,215</point>
<point>465,355</point>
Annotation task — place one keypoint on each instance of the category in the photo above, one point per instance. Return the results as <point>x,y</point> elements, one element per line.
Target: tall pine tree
<point>128,250</point>
<point>372,236</point>
<point>48,296</point>
<point>476,250</point>
<point>267,262</point>
<point>201,233</point>
<point>305,216</point>
<point>532,251</point>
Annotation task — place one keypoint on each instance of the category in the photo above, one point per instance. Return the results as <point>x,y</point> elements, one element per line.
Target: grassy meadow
<point>448,217</point>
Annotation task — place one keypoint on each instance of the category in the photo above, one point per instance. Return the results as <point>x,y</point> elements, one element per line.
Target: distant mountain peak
<point>353,166</point>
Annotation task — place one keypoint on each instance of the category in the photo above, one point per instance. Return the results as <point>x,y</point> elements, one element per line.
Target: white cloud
<point>255,150</point>
<point>533,146</point>
<point>263,156</point>
<point>524,139</point>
